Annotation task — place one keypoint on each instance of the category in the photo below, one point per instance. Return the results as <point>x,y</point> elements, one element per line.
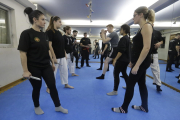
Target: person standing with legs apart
<point>113,38</point>
<point>85,43</point>
<point>122,59</point>
<point>104,53</point>
<point>69,50</point>
<point>35,59</point>
<point>158,40</point>
<point>140,59</point>
<point>75,47</point>
<point>57,48</point>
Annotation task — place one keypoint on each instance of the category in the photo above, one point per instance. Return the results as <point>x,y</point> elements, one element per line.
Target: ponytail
<point>149,15</point>
<point>51,23</point>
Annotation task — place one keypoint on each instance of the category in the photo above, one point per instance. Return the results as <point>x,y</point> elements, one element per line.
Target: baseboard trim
<point>177,90</point>
<point>10,85</point>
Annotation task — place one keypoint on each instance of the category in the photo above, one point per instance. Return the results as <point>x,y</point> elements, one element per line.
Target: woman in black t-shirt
<point>35,58</point>
<point>57,48</point>
<point>140,59</point>
<point>122,58</point>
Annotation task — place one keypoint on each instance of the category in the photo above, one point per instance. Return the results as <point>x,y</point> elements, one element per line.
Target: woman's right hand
<point>26,75</point>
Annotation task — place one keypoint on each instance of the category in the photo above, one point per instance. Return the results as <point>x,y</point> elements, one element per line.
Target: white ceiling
<point>116,12</point>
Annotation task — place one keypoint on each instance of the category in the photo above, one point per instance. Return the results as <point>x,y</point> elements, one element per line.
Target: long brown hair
<point>51,23</point>
<point>148,14</point>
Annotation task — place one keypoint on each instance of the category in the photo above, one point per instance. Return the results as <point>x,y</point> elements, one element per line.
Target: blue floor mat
<point>88,101</point>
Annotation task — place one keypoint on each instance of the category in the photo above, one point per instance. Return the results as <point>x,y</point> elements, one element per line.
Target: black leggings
<point>103,57</point>
<point>77,57</point>
<point>120,67</point>
<point>48,75</point>
<point>140,77</point>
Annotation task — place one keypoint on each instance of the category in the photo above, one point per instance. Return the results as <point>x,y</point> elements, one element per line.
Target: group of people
<point>43,53</point>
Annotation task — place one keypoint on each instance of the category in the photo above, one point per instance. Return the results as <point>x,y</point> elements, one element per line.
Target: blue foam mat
<point>88,101</point>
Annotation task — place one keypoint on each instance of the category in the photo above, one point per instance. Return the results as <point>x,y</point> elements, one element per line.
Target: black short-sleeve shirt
<point>124,47</point>
<point>37,47</point>
<point>157,38</point>
<point>68,44</point>
<point>172,45</point>
<point>85,41</point>
<point>58,43</point>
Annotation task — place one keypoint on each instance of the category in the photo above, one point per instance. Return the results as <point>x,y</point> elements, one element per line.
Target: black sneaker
<point>178,81</point>
<point>168,71</point>
<point>177,77</point>
<point>99,69</point>
<point>158,88</point>
<point>171,70</point>
<point>100,77</point>
<point>88,66</point>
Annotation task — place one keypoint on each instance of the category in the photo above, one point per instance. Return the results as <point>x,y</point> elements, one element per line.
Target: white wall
<point>10,64</point>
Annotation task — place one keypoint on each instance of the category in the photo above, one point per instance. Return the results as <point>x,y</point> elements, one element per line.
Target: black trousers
<point>139,78</point>
<point>120,67</point>
<point>48,75</point>
<point>171,60</point>
<point>85,55</point>
<point>177,61</point>
<point>96,53</point>
<point>103,57</point>
<point>75,53</point>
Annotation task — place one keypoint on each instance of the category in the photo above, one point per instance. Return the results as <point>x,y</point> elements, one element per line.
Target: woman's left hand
<point>135,70</point>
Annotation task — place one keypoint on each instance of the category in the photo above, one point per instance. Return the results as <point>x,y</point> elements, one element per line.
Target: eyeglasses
<point>134,15</point>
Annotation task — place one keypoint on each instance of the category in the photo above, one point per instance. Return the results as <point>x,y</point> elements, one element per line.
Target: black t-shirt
<point>37,47</point>
<point>75,45</point>
<point>85,41</point>
<point>124,47</point>
<point>172,45</point>
<point>58,43</point>
<point>68,44</point>
<point>157,38</point>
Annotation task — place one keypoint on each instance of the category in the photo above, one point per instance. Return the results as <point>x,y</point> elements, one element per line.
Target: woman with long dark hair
<point>35,59</point>
<point>140,59</point>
